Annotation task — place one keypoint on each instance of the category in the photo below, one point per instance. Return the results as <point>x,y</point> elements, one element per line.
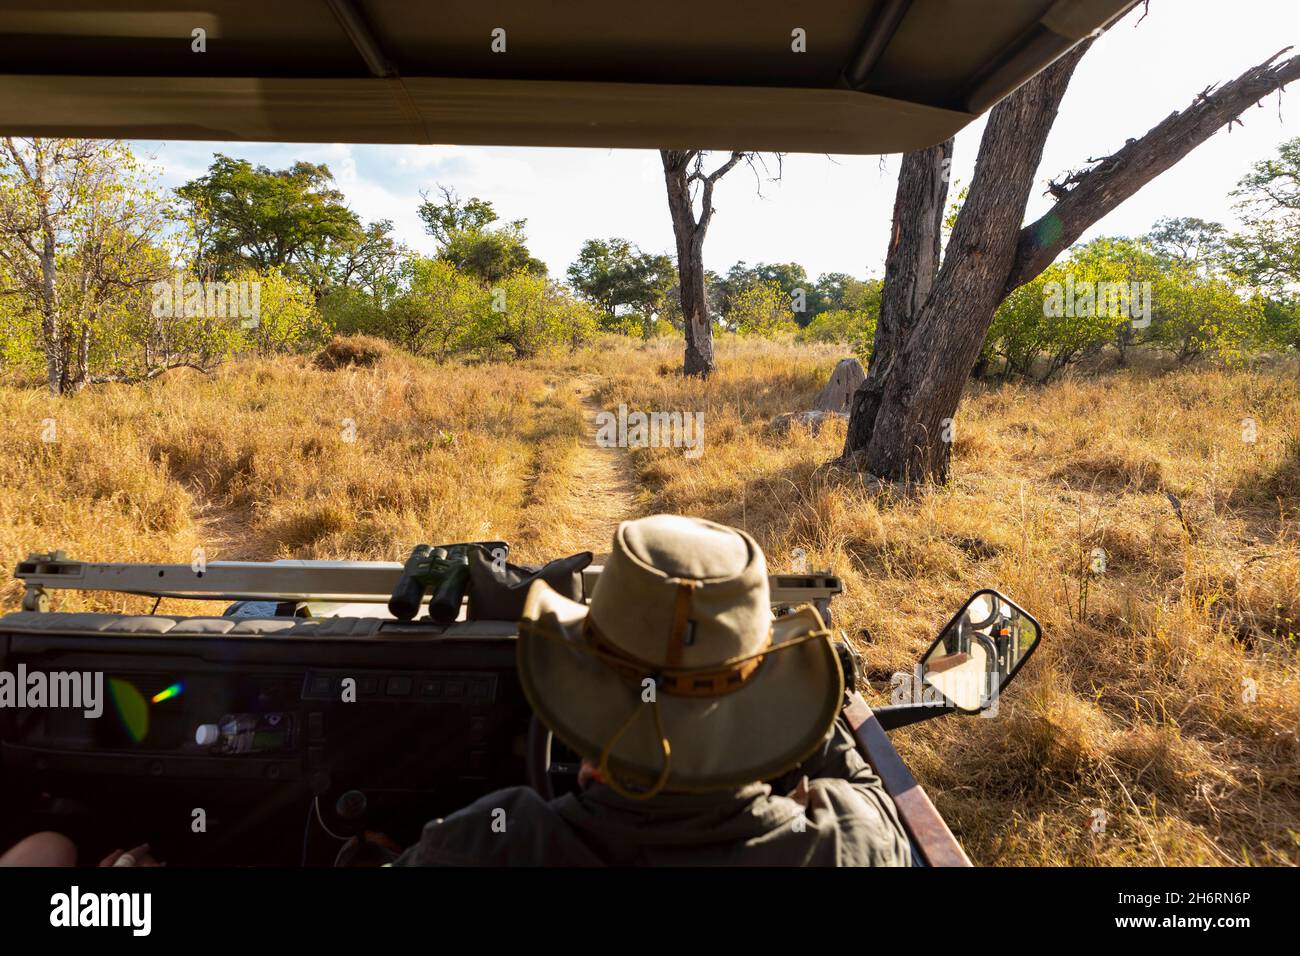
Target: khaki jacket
<point>834,813</point>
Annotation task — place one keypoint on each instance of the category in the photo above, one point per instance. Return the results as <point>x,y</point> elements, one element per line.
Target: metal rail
<point>360,582</point>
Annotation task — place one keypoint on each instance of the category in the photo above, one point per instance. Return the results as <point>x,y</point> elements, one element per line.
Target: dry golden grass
<point>1166,692</point>
<point>283,459</point>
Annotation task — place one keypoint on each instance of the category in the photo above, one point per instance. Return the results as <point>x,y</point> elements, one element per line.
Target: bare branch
<point>127,379</point>
<point>1086,196</point>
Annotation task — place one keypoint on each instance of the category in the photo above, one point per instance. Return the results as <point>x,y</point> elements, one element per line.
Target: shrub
<point>1281,323</point>
<point>1197,315</point>
<point>362,351</point>
<point>287,320</point>
<point>20,340</point>
<point>352,311</point>
<point>528,315</point>
<point>850,327</point>
<point>441,311</point>
<point>1074,308</point>
<point>762,309</point>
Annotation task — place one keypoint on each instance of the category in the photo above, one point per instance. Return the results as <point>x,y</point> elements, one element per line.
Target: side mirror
<point>979,651</point>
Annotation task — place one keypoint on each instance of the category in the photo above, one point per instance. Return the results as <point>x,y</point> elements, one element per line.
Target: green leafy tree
<point>187,321</point>
<point>762,309</point>
<point>630,287</point>
<point>81,233</point>
<point>443,312</point>
<point>369,260</point>
<point>468,239</point>
<point>287,319</point>
<point>1280,322</point>
<point>294,220</point>
<point>350,310</point>
<point>1073,308</point>
<point>1019,333</point>
<point>448,214</point>
<point>1267,252</point>
<point>851,327</point>
<point>838,291</point>
<point>1136,264</point>
<point>1165,292</point>
<point>20,327</point>
<point>491,255</point>
<point>528,315</point>
<point>1205,315</point>
<point>1191,241</point>
<point>790,277</point>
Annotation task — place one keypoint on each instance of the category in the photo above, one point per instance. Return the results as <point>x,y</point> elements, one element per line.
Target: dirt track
<point>603,490</point>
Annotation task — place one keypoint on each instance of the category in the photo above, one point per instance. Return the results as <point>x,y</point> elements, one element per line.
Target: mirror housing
<point>979,651</point>
<point>976,655</point>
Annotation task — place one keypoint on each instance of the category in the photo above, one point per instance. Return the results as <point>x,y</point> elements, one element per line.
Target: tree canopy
<point>468,239</point>
<point>1268,250</point>
<point>246,216</point>
<point>618,278</point>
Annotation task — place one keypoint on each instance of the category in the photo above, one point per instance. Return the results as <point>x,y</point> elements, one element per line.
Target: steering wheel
<point>537,758</point>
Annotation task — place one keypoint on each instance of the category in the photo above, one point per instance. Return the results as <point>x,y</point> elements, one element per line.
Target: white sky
<point>831,214</point>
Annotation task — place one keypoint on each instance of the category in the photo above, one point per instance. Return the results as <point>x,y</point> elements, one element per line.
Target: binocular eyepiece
<point>442,572</point>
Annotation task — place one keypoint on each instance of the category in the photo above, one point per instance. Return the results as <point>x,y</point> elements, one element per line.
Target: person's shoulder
<point>477,834</point>
<point>514,826</point>
<point>866,821</point>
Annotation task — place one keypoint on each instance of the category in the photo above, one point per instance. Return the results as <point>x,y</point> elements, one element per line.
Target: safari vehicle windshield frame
<point>874,77</point>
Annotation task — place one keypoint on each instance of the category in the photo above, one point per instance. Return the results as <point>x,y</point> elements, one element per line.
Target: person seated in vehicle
<point>709,730</point>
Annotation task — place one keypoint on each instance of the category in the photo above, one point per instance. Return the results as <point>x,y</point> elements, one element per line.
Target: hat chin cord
<point>607,774</point>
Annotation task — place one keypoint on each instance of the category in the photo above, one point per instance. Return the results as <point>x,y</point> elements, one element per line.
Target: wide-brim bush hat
<point>677,675</point>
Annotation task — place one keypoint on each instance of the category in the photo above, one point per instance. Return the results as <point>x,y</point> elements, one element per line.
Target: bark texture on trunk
<point>51,330</point>
<point>690,267</point>
<point>901,425</point>
<point>910,436</point>
<point>50,326</point>
<point>682,169</point>
<point>911,264</point>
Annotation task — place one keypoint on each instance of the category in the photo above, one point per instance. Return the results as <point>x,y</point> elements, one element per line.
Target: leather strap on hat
<point>682,623</point>
<point>711,681</point>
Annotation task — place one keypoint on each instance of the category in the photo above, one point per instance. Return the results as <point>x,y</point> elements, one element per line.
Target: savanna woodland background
<point>1134,484</point>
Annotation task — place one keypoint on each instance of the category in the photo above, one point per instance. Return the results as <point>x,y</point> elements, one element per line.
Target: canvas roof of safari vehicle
<point>877,76</point>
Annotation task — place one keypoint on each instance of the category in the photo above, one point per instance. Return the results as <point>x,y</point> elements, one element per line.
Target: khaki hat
<point>677,676</point>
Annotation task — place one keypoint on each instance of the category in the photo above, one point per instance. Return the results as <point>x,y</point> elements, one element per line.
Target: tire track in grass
<point>577,491</point>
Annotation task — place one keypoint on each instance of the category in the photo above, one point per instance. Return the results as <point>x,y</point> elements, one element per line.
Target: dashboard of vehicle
<point>235,748</point>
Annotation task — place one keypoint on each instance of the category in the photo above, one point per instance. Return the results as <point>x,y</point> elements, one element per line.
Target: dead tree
<point>685,177</point>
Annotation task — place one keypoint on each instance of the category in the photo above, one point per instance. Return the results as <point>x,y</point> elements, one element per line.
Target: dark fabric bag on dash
<point>497,594</point>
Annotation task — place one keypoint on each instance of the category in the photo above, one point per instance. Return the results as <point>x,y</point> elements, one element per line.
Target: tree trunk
<point>681,169</point>
<point>690,265</point>
<point>905,432</point>
<point>910,437</point>
<point>50,325</point>
<point>910,267</point>
<point>82,375</point>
